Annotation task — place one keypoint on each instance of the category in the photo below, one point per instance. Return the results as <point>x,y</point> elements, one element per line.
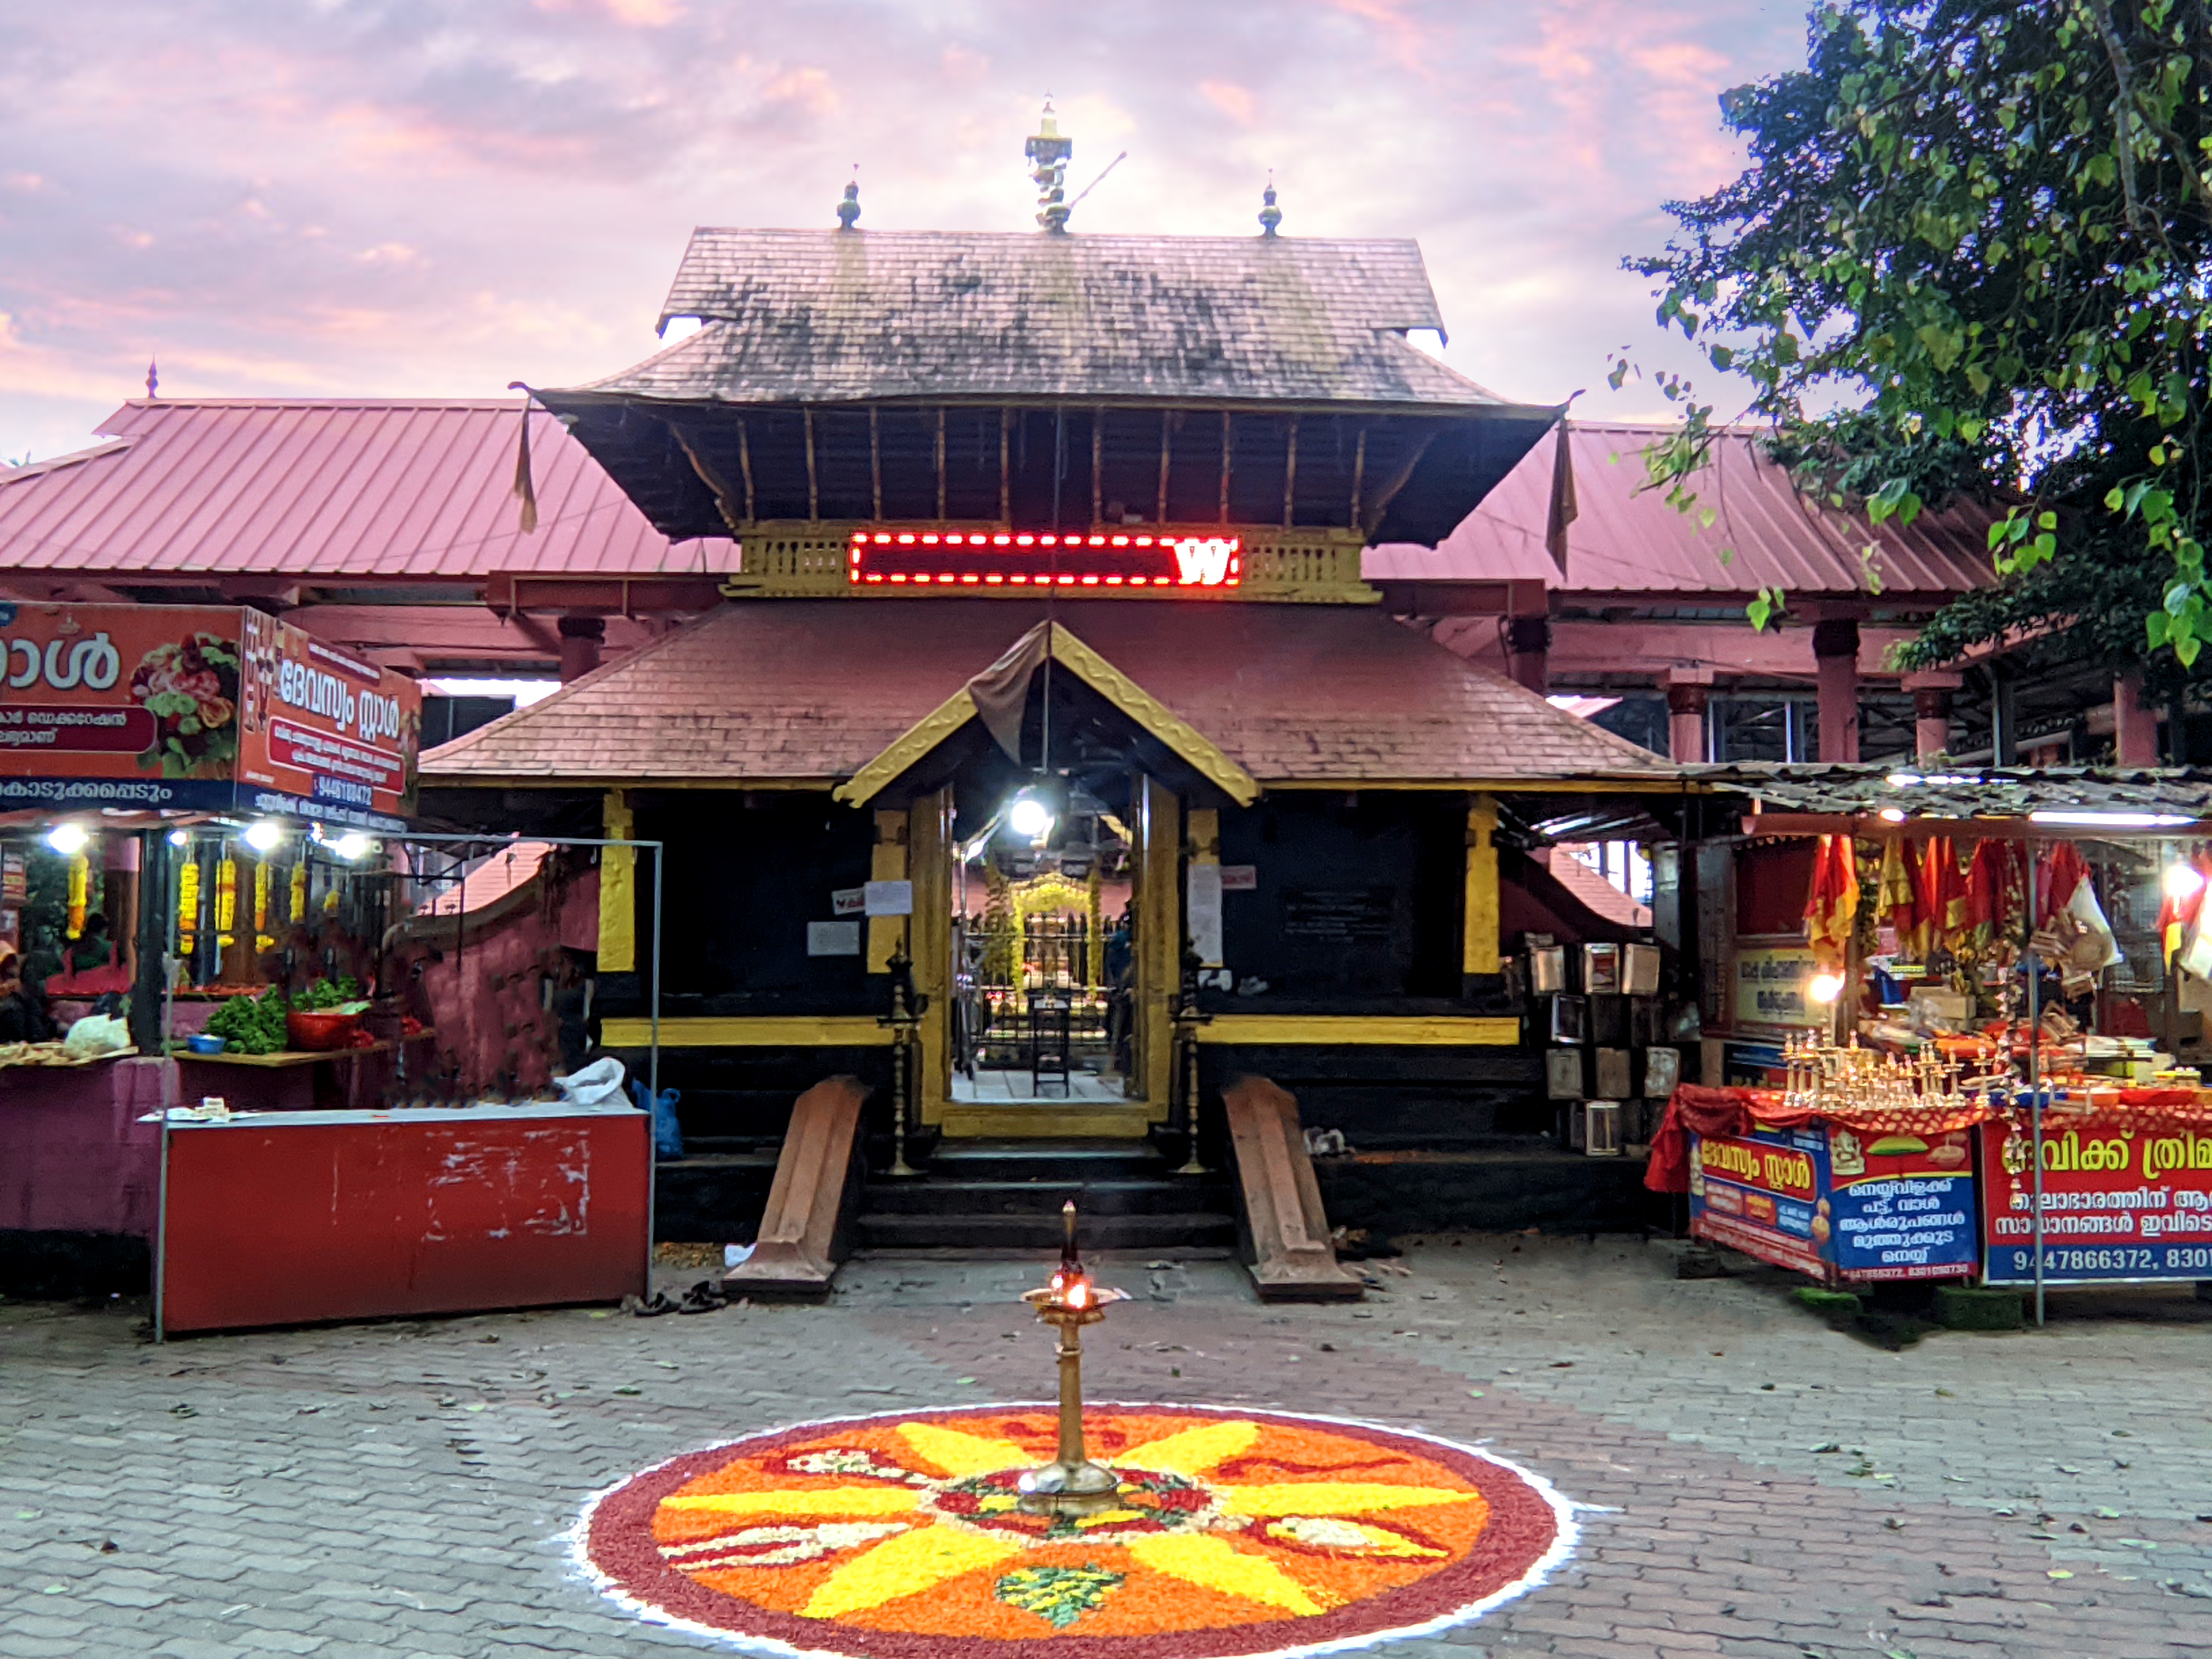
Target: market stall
<point>205,861</point>
<point>1987,1016</point>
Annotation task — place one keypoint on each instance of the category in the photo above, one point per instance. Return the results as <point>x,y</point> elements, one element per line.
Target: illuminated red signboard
<point>1098,560</point>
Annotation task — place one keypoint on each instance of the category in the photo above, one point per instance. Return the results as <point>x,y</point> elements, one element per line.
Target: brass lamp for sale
<point>1071,1484</point>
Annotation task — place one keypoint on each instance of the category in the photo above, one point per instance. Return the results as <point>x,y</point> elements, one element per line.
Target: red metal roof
<point>329,490</point>
<point>1626,539</point>
<point>813,690</point>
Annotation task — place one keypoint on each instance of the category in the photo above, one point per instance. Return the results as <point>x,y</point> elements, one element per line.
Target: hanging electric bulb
<point>264,835</point>
<point>68,837</point>
<point>350,846</point>
<point>1028,817</point>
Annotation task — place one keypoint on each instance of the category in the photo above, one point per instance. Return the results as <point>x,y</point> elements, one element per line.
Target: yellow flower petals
<point>1335,1497</point>
<point>833,1500</point>
<point>959,1453</point>
<point>1214,1564</point>
<point>905,1565</point>
<point>1191,1451</point>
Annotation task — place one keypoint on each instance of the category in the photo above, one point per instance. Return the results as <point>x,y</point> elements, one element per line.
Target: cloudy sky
<point>393,196</point>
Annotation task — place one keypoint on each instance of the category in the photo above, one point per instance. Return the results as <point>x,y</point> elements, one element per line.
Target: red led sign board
<point>1096,561</point>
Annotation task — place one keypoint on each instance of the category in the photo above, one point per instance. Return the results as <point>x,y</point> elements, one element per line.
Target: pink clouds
<point>423,196</point>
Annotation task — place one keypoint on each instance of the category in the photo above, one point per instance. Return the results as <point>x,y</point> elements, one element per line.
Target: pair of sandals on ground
<point>705,1296</point>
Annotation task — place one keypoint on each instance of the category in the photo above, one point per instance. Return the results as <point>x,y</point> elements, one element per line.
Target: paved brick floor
<point>1761,1486</point>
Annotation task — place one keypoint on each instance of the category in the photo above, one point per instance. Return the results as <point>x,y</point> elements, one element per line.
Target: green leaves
<point>1765,607</point>
<point>1995,222</point>
<point>1059,1595</point>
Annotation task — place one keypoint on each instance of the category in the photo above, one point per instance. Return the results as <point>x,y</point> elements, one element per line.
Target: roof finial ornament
<point>152,379</point>
<point>1048,153</point>
<point>848,211</point>
<point>1270,215</point>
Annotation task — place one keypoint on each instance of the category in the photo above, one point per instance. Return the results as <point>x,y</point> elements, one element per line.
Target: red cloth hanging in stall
<point>2058,873</point>
<point>1832,907</point>
<point>1897,903</point>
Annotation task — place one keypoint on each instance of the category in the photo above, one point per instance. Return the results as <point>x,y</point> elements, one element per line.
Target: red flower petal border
<point>1531,1533</point>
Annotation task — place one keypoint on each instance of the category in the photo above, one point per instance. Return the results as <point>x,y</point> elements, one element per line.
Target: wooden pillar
<point>581,639</point>
<point>1159,938</point>
<point>2135,727</point>
<point>929,865</point>
<point>887,862</point>
<point>1836,672</point>
<point>1202,834</point>
<point>1480,944</point>
<point>617,888</point>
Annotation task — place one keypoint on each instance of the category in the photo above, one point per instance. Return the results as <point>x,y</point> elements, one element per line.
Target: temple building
<point>1049,684</point>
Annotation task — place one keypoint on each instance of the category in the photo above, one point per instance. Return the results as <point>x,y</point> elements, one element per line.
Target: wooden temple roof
<point>811,691</point>
<point>832,316</point>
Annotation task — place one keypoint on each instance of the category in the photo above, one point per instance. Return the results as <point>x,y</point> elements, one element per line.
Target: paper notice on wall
<point>1204,913</point>
<point>833,938</point>
<point>1240,877</point>
<point>848,902</point>
<point>888,898</point>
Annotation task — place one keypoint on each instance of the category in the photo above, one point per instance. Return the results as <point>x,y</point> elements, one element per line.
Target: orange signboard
<point>117,705</point>
<point>198,707</point>
<point>325,734</point>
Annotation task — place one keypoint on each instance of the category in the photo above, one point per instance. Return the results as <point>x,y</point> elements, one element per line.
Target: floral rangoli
<point>1232,1532</point>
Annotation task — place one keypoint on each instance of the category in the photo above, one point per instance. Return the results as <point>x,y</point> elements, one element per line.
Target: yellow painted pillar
<point>1479,940</point>
<point>887,863</point>
<point>617,888</point>
<point>930,862</point>
<point>1159,938</point>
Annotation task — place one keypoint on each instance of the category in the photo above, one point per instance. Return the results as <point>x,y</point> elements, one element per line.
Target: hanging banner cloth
<point>1717,1113</point>
<point>1832,907</point>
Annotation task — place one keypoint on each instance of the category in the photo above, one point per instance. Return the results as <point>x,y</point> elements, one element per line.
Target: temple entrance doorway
<point>1042,936</point>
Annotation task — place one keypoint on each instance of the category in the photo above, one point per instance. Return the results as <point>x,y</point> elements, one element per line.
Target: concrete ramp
<point>807,1228</point>
<point>1292,1257</point>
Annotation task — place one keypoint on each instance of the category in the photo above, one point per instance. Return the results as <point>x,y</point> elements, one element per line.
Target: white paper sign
<point>1204,917</point>
<point>888,898</point>
<point>1240,877</point>
<point>848,902</point>
<point>833,938</point>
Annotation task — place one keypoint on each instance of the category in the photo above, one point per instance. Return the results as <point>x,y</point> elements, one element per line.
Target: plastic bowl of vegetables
<point>206,1043</point>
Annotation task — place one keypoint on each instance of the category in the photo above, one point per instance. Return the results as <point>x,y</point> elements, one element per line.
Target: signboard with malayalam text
<point>2120,1201</point>
<point>118,705</point>
<point>198,707</point>
<point>1769,987</point>
<point>1833,1203</point>
<point>324,734</point>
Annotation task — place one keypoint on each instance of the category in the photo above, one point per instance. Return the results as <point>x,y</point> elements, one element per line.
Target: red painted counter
<point>292,1217</point>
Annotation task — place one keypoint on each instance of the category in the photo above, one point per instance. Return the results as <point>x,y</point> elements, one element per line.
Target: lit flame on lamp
<point>1071,1484</point>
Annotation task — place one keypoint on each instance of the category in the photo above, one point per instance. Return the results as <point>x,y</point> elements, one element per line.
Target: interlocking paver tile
<point>1759,1486</point>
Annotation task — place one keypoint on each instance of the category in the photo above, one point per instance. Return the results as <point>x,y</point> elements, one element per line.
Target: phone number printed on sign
<point>2120,1201</point>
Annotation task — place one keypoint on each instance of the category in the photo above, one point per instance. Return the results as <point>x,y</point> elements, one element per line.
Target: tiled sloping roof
<point>803,316</point>
<point>326,489</point>
<point>793,690</point>
<point>1626,538</point>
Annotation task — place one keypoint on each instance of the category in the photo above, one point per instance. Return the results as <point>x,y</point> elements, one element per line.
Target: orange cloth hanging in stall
<point>1832,907</point>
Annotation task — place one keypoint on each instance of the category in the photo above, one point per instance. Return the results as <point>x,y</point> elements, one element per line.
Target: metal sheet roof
<point>328,490</point>
<point>828,316</point>
<point>1627,539</point>
<point>1965,791</point>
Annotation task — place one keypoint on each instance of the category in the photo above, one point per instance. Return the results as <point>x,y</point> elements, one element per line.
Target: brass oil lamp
<point>1071,1484</point>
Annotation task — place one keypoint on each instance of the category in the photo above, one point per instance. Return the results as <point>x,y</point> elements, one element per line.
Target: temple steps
<point>1007,1196</point>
